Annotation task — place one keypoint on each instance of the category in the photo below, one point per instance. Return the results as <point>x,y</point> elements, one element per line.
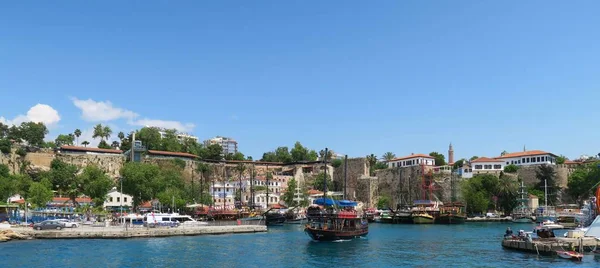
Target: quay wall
<point>118,233</point>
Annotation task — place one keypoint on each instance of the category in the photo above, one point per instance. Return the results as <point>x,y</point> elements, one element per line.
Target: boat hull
<point>272,220</point>
<point>450,219</point>
<point>570,255</point>
<point>422,219</point>
<point>334,235</point>
<point>523,220</point>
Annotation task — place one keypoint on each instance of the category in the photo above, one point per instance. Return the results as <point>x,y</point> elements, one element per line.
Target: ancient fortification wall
<point>527,173</point>
<point>357,168</point>
<point>111,164</point>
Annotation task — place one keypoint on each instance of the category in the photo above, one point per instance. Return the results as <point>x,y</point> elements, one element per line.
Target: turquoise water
<point>467,245</point>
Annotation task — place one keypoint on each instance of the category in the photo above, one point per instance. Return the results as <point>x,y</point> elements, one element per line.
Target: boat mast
<point>545,195</point>
<point>345,174</point>
<point>325,180</point>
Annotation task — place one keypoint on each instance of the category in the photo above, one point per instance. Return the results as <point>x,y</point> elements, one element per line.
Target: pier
<point>139,232</point>
<point>551,245</point>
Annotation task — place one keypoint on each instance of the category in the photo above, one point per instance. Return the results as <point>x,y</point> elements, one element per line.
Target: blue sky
<point>357,77</point>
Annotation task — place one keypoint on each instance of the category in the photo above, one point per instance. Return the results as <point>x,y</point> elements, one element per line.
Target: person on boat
<point>508,233</point>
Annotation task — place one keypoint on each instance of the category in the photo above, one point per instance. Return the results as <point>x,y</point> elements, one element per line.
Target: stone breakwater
<point>8,234</point>
<point>120,232</point>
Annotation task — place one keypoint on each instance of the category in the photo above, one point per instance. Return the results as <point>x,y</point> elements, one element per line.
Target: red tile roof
<point>485,159</point>
<point>89,149</point>
<point>525,153</point>
<point>412,156</point>
<point>311,192</point>
<point>178,154</point>
<point>146,205</point>
<point>66,199</point>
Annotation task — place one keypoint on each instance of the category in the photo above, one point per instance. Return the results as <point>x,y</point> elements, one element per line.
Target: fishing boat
<point>386,217</point>
<point>522,214</point>
<point>335,220</point>
<point>453,213</point>
<point>570,255</point>
<point>273,218</point>
<point>422,218</point>
<point>371,214</point>
<point>403,215</point>
<point>331,220</point>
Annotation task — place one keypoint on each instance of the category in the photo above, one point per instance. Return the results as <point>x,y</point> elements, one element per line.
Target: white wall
<point>547,159</point>
<point>407,163</point>
<point>116,200</point>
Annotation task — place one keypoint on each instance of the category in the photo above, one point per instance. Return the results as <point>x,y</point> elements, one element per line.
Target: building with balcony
<point>229,145</point>
<point>526,158</point>
<point>412,160</point>
<point>487,165</point>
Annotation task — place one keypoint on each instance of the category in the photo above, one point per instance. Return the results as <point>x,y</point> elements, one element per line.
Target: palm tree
<point>240,169</point>
<point>388,156</point>
<point>107,132</point>
<point>98,132</point>
<point>121,135</point>
<point>77,133</point>
<point>372,160</point>
<point>85,143</point>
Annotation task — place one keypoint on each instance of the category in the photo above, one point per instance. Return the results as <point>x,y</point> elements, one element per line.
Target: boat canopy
<point>331,202</point>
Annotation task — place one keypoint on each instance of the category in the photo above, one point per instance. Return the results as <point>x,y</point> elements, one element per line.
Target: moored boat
<point>570,255</point>
<point>386,217</point>
<point>331,224</point>
<point>522,214</point>
<point>422,218</point>
<point>453,213</point>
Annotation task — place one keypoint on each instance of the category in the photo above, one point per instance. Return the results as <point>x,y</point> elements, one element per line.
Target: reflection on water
<point>467,245</point>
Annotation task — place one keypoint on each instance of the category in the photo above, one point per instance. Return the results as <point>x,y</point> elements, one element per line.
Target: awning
<point>331,202</point>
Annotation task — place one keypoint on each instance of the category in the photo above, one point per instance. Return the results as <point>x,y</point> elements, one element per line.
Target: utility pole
<point>267,172</point>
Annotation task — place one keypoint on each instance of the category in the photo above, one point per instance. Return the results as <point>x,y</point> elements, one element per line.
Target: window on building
<point>478,166</point>
<point>523,161</point>
<point>111,199</point>
<point>497,166</point>
<point>538,159</point>
<point>487,166</point>
<point>527,160</point>
<point>507,163</point>
<point>118,199</point>
<point>124,199</point>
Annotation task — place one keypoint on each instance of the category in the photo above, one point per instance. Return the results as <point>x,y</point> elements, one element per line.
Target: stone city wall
<point>111,164</point>
<point>357,168</point>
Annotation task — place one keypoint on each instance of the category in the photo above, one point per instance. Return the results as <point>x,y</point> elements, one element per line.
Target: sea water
<point>387,245</point>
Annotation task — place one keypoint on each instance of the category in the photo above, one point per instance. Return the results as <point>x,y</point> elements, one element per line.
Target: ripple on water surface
<point>466,245</point>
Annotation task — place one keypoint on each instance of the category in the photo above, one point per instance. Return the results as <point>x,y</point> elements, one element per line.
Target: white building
<point>412,160</point>
<point>526,158</point>
<point>223,193</point>
<point>114,200</point>
<point>229,145</point>
<point>69,149</point>
<point>180,135</point>
<point>487,165</point>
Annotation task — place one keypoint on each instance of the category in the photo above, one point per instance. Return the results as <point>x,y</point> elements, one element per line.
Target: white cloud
<point>101,111</point>
<point>182,127</point>
<point>39,113</point>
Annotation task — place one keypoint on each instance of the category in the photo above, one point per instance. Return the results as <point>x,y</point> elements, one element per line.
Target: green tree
<point>458,164</point>
<point>329,154</point>
<point>85,143</point>
<point>39,194</point>
<point>384,202</point>
<point>288,196</point>
<point>139,181</point>
<point>50,145</point>
<point>3,130</point>
<point>77,133</point>
<point>511,168</point>
<point>336,163</point>
<point>121,135</point>
<point>5,146</point>
<point>388,156</point>
<point>319,182</point>
<point>237,156</point>
<point>561,159</point>
<point>21,159</point>
<point>582,181</point>
<point>14,133</point>
<point>33,133</point>
<point>170,194</point>
<point>380,165</point>
<point>106,131</point>
<point>170,142</point>
<point>95,184</point>
<point>7,184</point>
<point>104,145</point>
<point>98,132</point>
<point>546,173</point>
<point>150,137</point>
<point>64,177</point>
<point>473,158</point>
<point>283,154</point>
<point>507,193</point>
<point>214,152</point>
<point>440,159</point>
<point>269,157</point>
<point>503,153</point>
<point>63,140</point>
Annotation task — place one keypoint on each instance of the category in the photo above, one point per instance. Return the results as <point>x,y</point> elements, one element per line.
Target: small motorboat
<point>570,255</point>
<point>552,225</point>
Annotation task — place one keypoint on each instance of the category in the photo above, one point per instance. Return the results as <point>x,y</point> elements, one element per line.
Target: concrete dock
<point>549,246</point>
<point>138,232</point>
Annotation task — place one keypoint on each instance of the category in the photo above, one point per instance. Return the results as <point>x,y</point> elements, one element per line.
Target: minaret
<point>450,155</point>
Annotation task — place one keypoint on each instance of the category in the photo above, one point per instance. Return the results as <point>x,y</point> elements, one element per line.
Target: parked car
<point>68,223</point>
<point>49,224</point>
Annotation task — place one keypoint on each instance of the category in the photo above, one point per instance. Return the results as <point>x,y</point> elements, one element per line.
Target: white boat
<point>570,255</point>
<point>552,225</point>
<point>170,219</point>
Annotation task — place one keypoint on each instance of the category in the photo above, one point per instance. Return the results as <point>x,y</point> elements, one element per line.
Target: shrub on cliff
<point>511,168</point>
